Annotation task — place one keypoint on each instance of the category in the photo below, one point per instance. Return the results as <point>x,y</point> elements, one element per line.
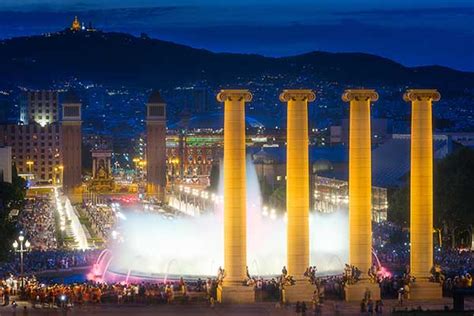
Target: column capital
<point>421,95</point>
<point>297,95</point>
<point>360,95</point>
<point>234,94</point>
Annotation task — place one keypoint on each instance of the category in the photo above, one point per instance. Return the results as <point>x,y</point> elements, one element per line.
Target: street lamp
<point>30,164</point>
<point>136,161</point>
<point>21,246</point>
<point>61,174</point>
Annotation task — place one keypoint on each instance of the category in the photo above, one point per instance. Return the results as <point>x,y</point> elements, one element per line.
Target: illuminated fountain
<point>153,246</point>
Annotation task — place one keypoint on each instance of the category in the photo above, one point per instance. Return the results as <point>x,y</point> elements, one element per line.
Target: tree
<point>399,201</point>
<point>214,178</point>
<point>453,195</point>
<point>11,196</point>
<point>454,192</point>
<point>278,198</point>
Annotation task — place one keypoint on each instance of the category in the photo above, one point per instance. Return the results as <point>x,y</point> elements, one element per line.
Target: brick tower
<point>71,139</point>
<point>156,146</point>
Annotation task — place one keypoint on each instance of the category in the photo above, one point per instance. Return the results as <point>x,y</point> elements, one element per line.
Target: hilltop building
<point>76,25</point>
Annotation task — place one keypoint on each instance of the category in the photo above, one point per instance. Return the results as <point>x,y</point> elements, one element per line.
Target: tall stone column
<point>235,214</point>
<point>360,191</point>
<point>297,192</point>
<point>421,193</point>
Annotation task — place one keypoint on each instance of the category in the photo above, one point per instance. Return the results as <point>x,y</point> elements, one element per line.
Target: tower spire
<point>76,25</point>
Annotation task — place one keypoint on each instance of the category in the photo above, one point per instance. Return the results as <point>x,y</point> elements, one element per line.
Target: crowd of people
<point>38,223</point>
<point>39,261</point>
<point>102,219</point>
<point>49,295</point>
<point>392,246</point>
<point>453,269</point>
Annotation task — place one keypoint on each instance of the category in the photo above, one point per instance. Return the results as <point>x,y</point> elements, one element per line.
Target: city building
<point>39,106</point>
<point>35,149</point>
<point>381,129</point>
<point>331,195</point>
<point>190,157</point>
<point>463,138</point>
<point>102,180</point>
<point>194,99</point>
<point>6,164</point>
<point>37,146</point>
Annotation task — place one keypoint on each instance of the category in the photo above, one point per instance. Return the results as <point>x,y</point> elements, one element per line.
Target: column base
<point>356,292</point>
<point>425,290</point>
<point>235,294</point>
<point>302,291</point>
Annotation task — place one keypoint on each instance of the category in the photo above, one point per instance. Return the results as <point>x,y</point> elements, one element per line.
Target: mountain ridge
<point>124,59</point>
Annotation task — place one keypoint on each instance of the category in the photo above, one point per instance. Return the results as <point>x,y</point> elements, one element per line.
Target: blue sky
<point>411,32</point>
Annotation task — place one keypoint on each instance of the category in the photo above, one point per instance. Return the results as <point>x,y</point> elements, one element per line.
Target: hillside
<point>122,59</point>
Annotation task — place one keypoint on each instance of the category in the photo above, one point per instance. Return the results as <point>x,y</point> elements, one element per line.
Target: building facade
<point>41,144</point>
<point>331,195</point>
<point>36,149</point>
<point>40,107</point>
<point>6,164</point>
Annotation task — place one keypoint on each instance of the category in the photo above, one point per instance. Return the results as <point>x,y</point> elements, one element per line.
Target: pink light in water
<point>384,272</point>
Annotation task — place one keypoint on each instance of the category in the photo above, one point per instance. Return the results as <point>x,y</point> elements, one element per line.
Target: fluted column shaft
<point>360,178</point>
<point>297,180</point>
<point>421,182</point>
<point>235,240</point>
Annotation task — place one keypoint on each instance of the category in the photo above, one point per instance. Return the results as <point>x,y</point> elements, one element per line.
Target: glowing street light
<point>30,164</point>
<point>61,170</point>
<point>21,246</point>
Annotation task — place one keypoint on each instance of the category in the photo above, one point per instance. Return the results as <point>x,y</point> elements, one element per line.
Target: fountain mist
<point>154,245</point>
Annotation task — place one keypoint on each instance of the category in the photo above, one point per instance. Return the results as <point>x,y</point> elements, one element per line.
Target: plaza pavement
<point>257,309</point>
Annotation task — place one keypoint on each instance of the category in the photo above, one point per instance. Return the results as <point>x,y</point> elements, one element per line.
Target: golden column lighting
<point>297,191</point>
<point>360,191</point>
<point>421,193</point>
<point>235,234</point>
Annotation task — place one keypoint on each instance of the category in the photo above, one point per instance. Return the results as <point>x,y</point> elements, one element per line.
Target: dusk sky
<point>411,32</point>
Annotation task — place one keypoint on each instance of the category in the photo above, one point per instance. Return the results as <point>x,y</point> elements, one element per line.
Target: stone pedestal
<point>425,291</point>
<point>235,294</point>
<point>356,292</point>
<point>302,291</point>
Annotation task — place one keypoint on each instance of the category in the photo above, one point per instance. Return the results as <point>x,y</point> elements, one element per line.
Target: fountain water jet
<point>196,243</point>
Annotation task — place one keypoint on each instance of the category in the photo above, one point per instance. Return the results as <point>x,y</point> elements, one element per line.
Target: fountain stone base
<point>235,294</point>
<point>302,291</point>
<point>357,292</point>
<point>424,290</point>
